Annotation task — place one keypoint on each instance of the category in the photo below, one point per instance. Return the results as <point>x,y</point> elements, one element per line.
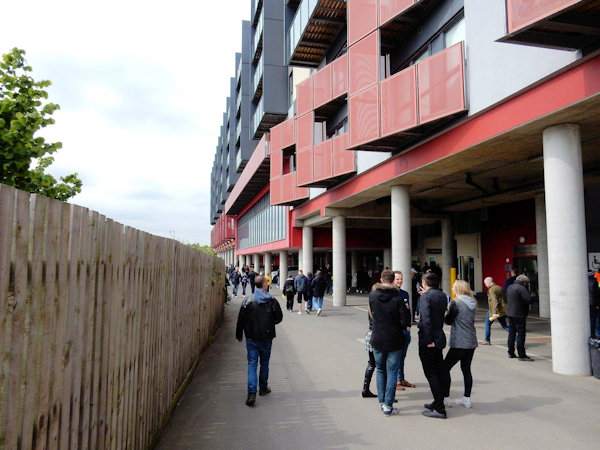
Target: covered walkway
<point>317,367</point>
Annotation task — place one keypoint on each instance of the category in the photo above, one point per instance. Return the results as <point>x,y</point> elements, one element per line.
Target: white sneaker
<point>447,402</point>
<point>389,411</point>
<point>465,401</point>
<point>319,312</point>
<point>299,312</point>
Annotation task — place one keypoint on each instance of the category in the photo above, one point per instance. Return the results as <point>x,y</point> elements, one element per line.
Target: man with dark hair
<point>301,287</point>
<point>432,340</point>
<point>318,285</point>
<point>390,317</point>
<point>251,277</point>
<point>256,320</point>
<point>518,300</point>
<point>235,279</point>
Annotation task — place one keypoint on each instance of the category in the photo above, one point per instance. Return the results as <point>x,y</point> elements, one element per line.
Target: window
<point>455,33</point>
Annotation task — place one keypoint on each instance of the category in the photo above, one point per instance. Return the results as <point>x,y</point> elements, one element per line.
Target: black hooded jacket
<point>390,318</point>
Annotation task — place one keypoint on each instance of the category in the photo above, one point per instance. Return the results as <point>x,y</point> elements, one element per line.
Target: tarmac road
<point>316,373</point>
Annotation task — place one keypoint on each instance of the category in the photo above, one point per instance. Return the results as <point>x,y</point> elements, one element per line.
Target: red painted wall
<point>500,234</point>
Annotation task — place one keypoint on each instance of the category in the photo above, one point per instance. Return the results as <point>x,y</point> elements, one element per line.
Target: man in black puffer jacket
<point>518,300</point>
<point>257,318</point>
<point>390,318</point>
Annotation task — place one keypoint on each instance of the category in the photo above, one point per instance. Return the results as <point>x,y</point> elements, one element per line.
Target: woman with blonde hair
<point>463,340</point>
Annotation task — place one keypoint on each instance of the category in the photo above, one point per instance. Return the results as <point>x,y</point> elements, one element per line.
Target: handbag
<point>368,346</point>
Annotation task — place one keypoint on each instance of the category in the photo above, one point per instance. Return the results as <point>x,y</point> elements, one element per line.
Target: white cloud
<point>142,88</point>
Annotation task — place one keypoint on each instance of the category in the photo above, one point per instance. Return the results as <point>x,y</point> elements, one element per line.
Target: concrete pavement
<point>316,373</point>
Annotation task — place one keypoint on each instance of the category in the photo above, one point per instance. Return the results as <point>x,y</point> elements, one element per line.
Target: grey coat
<point>461,315</point>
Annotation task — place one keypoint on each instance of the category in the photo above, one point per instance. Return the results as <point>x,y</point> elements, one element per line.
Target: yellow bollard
<point>452,280</point>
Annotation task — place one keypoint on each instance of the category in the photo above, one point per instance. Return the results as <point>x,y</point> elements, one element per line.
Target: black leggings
<point>454,355</point>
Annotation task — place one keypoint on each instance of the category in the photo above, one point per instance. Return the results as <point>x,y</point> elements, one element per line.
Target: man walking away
<point>402,383</point>
<point>318,287</point>
<point>497,309</point>
<point>518,299</point>
<point>289,291</point>
<point>251,278</point>
<point>257,318</point>
<point>235,280</point>
<point>390,319</point>
<point>301,286</point>
<point>432,340</point>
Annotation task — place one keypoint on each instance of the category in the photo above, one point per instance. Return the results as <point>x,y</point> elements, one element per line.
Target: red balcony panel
<point>323,161</point>
<point>301,193</point>
<point>388,9</point>
<point>399,102</point>
<point>363,116</point>
<point>322,86</point>
<point>344,160</point>
<point>339,76</point>
<point>521,13</point>
<point>362,19</point>
<point>364,61</point>
<point>305,130</point>
<point>276,164</point>
<point>275,190</point>
<point>276,135</point>
<point>441,84</point>
<point>288,135</point>
<point>304,96</point>
<point>288,187</point>
<point>304,166</point>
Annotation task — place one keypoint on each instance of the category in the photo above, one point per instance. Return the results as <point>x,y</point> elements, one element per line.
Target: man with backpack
<point>289,291</point>
<point>256,320</point>
<point>301,286</point>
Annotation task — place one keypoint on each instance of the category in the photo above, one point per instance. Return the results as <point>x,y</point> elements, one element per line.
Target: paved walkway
<point>317,368</point>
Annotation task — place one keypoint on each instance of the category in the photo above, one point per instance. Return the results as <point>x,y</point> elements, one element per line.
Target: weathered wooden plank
<point>137,344</point>
<point>48,350</point>
<point>99,326</point>
<point>37,217</point>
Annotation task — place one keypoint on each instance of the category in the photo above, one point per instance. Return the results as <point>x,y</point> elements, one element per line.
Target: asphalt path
<point>316,374</point>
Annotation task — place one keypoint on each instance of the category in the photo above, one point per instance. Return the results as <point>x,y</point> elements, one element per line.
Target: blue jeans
<point>258,349</point>
<point>244,288</point>
<point>488,325</point>
<point>387,373</point>
<point>235,288</point>
<point>318,302</point>
<point>403,355</point>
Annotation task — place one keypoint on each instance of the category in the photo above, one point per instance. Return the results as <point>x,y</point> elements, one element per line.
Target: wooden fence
<point>100,327</point>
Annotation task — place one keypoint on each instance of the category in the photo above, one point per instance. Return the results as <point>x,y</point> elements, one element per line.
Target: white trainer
<point>447,402</point>
<point>299,312</point>
<point>465,401</point>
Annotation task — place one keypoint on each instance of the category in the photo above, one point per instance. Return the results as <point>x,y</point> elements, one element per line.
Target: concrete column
<point>301,260</point>
<point>267,258</point>
<point>307,249</point>
<point>542,255</point>
<point>387,258</point>
<point>242,260</point>
<point>283,266</point>
<point>256,262</point>
<point>401,245</point>
<point>354,267</point>
<point>338,231</point>
<point>567,252</point>
<point>448,253</point>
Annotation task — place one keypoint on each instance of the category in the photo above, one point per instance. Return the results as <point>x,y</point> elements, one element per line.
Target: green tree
<point>203,248</point>
<point>24,110</point>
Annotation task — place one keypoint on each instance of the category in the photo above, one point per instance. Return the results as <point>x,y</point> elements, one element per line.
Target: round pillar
<point>307,249</point>
<point>338,231</point>
<point>387,258</point>
<point>542,255</point>
<point>448,254</point>
<point>354,267</point>
<point>401,245</point>
<point>267,259</point>
<point>283,266</point>
<point>567,252</point>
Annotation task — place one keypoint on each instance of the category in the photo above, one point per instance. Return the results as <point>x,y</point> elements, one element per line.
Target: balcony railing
<point>257,79</point>
<point>562,24</point>
<point>258,115</point>
<point>315,25</point>
<point>257,41</point>
<point>238,103</point>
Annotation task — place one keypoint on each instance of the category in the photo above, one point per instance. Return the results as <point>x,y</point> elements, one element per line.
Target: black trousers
<point>289,301</point>
<point>454,355</point>
<point>516,327</point>
<point>302,295</point>
<point>432,362</point>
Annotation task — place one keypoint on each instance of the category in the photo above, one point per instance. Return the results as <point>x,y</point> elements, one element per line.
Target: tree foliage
<point>24,110</point>
<point>203,248</point>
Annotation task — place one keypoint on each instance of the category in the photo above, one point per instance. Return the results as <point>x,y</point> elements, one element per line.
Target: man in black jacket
<point>518,301</point>
<point>432,340</point>
<point>257,318</point>
<point>251,277</point>
<point>390,318</point>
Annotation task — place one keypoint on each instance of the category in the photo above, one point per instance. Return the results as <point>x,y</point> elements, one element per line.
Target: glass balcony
<point>257,40</point>
<point>258,79</point>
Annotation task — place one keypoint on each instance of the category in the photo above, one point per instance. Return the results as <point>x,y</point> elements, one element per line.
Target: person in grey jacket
<point>301,285</point>
<point>518,300</point>
<point>463,340</point>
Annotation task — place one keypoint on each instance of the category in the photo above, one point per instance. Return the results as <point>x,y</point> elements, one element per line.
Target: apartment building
<point>387,133</point>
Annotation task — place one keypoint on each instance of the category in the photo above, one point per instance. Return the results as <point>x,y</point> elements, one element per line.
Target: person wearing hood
<point>390,318</point>
<point>256,320</point>
<point>463,340</point>
<point>518,300</point>
<point>318,285</point>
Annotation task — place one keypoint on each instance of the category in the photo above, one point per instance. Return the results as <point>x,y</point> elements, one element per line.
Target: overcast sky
<point>142,88</point>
